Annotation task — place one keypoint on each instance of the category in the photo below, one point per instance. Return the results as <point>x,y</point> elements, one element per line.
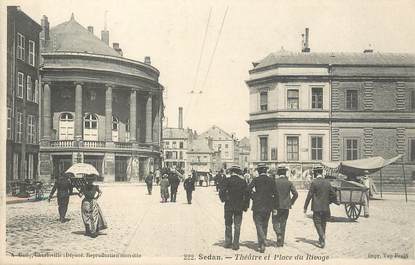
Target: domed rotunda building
<point>97,107</point>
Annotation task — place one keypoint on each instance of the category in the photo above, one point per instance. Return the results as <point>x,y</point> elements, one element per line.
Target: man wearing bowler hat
<point>234,193</point>
<point>322,194</point>
<point>283,203</point>
<point>263,192</point>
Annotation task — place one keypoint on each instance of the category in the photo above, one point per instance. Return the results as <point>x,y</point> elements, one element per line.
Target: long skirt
<point>164,192</point>
<point>92,217</point>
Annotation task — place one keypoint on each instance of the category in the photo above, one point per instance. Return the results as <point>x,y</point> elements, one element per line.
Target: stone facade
<point>368,109</point>
<point>22,96</point>
<point>97,107</point>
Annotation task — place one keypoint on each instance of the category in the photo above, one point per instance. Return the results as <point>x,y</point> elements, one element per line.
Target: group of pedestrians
<point>270,197</point>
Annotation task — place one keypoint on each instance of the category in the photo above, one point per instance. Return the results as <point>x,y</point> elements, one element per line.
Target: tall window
<point>351,100</point>
<point>352,151</point>
<point>412,150</point>
<point>31,129</point>
<point>20,47</point>
<point>174,145</point>
<point>263,99</point>
<point>181,145</point>
<point>36,92</point>
<point>9,122</point>
<point>31,53</point>
<point>16,163</point>
<point>181,155</point>
<point>19,127</point>
<point>316,148</point>
<point>317,98</point>
<point>30,165</point>
<point>127,131</point>
<point>292,99</point>
<point>292,148</point>
<point>91,127</point>
<point>29,88</point>
<point>20,84</point>
<point>263,147</point>
<point>66,127</point>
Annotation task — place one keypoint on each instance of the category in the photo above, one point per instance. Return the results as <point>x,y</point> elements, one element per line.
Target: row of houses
<point>209,151</point>
<point>306,107</point>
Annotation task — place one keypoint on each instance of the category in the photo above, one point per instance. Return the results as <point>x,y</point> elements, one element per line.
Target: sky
<point>172,34</point>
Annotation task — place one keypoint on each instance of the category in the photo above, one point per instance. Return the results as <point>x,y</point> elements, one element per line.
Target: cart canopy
<point>360,167</point>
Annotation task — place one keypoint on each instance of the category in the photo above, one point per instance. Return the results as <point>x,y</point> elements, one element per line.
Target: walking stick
<point>381,184</point>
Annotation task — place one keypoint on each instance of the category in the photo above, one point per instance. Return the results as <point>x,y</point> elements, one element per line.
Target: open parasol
<point>80,169</point>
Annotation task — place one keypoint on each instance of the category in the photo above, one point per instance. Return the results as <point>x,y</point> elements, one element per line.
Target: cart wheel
<point>353,210</point>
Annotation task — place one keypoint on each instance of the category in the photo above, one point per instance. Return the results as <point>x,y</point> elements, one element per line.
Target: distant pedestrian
<point>234,194</point>
<point>64,189</point>
<point>174,184</point>
<point>164,188</point>
<point>247,176</point>
<point>366,196</point>
<point>91,212</point>
<point>263,192</point>
<point>322,194</point>
<point>149,182</point>
<point>157,176</point>
<point>284,202</point>
<point>189,186</point>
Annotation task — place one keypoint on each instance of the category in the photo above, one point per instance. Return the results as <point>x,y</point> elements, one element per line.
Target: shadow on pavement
<point>308,241</point>
<point>82,233</point>
<point>335,219</point>
<point>248,244</point>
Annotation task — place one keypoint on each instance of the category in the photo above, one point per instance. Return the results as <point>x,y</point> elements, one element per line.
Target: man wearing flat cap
<point>234,194</point>
<point>283,203</point>
<point>263,192</point>
<point>322,194</point>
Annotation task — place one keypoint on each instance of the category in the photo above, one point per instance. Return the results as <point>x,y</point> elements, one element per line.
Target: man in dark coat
<point>283,204</point>
<point>189,186</point>
<point>322,194</point>
<point>235,195</point>
<point>64,190</point>
<point>149,182</point>
<point>174,184</point>
<point>263,192</point>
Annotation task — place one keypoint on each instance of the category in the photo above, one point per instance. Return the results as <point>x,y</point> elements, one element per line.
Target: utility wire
<point>199,62</point>
<point>213,55</point>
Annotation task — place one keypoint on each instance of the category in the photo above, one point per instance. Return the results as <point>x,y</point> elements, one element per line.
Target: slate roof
<point>200,145</point>
<point>215,132</point>
<point>339,58</point>
<point>71,36</point>
<point>174,133</point>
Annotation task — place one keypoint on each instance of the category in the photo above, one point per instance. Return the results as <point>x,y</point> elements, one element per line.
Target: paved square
<point>139,223</point>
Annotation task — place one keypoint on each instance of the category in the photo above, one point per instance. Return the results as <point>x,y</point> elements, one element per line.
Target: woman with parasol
<point>91,212</point>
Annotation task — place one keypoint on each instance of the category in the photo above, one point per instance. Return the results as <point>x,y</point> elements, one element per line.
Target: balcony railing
<point>100,144</point>
<point>93,144</point>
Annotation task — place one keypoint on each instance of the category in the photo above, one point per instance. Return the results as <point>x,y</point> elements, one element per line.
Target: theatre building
<point>308,107</point>
<point>97,106</point>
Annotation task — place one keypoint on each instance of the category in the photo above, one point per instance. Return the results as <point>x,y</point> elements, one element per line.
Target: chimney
<point>91,29</point>
<point>180,117</point>
<point>44,34</point>
<point>105,36</point>
<point>116,47</point>
<point>147,60</point>
<point>306,43</point>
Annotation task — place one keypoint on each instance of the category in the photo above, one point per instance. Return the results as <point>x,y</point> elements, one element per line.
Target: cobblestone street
<point>139,223</point>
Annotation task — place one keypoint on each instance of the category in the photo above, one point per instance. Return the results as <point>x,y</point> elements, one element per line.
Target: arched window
<point>66,126</point>
<point>90,127</point>
<point>114,129</point>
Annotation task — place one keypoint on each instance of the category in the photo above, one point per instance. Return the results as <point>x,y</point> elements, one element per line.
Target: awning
<point>360,167</point>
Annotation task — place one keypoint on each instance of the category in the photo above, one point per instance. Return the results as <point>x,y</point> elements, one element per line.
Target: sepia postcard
<point>207,132</point>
